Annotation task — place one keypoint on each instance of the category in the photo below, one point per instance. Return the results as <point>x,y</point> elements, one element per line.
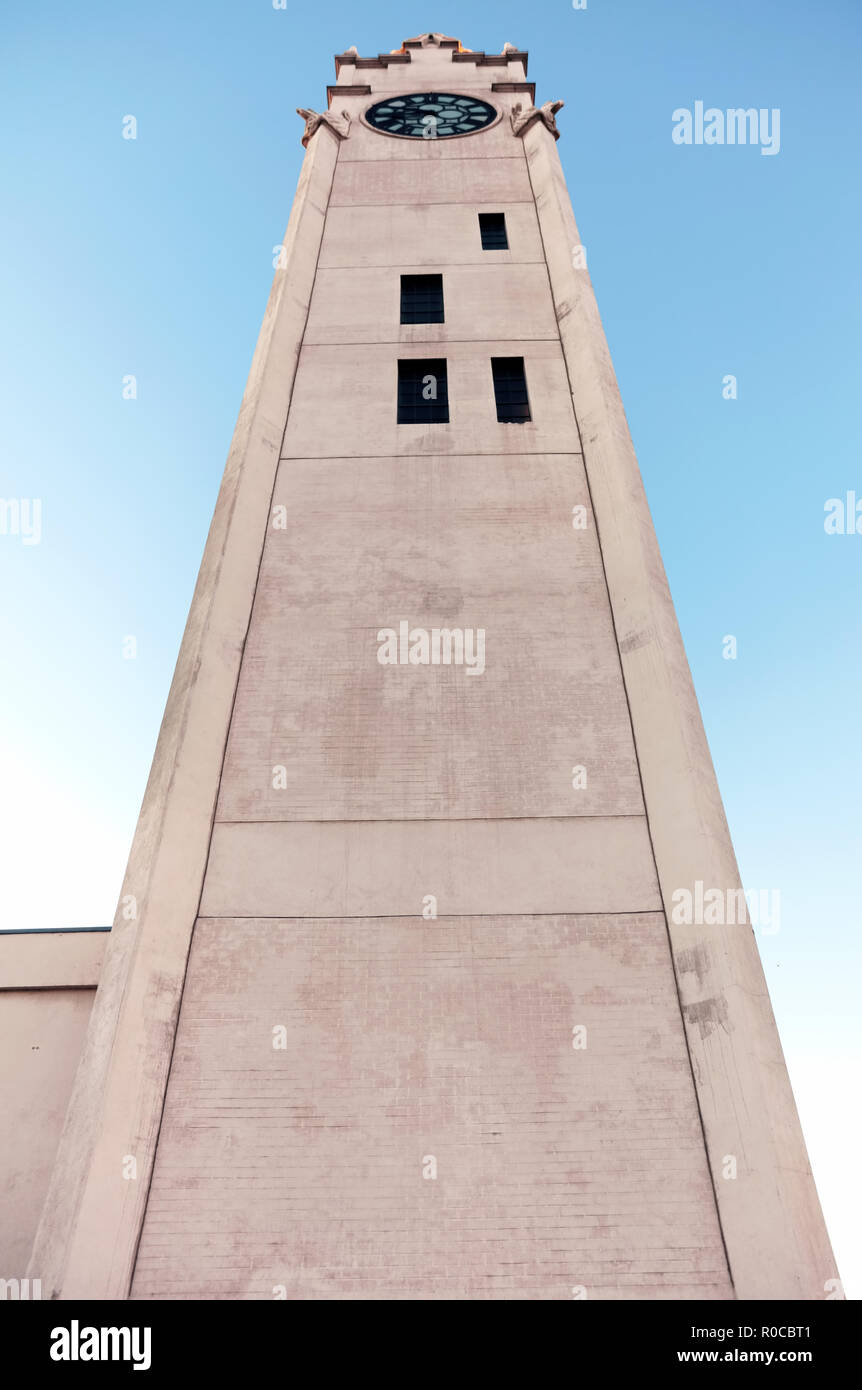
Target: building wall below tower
<point>47,986</point>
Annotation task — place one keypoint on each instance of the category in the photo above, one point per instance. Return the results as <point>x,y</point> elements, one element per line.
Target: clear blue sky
<point>153,257</point>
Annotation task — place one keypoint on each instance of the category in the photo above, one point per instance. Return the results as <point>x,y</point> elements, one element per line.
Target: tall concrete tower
<point>400,1002</point>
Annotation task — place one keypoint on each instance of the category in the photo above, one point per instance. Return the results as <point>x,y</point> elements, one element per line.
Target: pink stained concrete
<point>483,541</point>
<point>406,1039</point>
<point>469,523</point>
<point>47,984</point>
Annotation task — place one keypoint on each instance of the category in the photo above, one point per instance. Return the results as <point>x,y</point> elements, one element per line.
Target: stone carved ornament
<point>522,119</point>
<point>338,124</point>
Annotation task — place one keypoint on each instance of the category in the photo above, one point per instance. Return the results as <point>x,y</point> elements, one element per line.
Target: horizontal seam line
<point>383,916</point>
<point>350,458</point>
<point>444,265</point>
<point>421,159</point>
<point>490,453</point>
<point>448,203</point>
<point>421,342</point>
<point>437,820</point>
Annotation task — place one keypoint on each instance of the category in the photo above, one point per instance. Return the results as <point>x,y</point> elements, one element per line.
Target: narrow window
<point>510,390</point>
<point>423,396</point>
<point>422,299</point>
<point>492,226</point>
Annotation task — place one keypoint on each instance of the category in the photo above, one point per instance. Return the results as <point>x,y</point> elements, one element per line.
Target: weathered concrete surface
<point>43,1034</point>
<point>302,1166</point>
<point>358,305</point>
<point>474,180</point>
<point>386,868</point>
<point>776,1239</point>
<point>344,401</point>
<point>363,549</point>
<point>92,1218</point>
<point>47,984</point>
<point>357,237</point>
<point>51,959</point>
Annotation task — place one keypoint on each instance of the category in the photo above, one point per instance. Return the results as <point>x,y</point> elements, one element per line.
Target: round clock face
<point>430,115</point>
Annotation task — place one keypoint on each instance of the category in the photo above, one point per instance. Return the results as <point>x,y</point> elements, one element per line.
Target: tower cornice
<point>405,54</point>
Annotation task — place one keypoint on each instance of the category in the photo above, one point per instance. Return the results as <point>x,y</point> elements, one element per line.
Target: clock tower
<point>397,1004</point>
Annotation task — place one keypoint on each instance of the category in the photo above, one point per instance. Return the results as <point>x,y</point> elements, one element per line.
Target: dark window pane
<point>422,299</point>
<point>423,396</point>
<point>510,390</point>
<point>492,226</point>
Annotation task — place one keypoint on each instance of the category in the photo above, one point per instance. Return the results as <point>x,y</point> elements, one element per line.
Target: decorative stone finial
<point>433,38</point>
<point>522,119</point>
<point>339,125</point>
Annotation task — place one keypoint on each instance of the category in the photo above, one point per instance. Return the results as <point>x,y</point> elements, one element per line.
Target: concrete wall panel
<point>362,551</point>
<point>43,1034</point>
<point>91,1222</point>
<point>480,301</point>
<point>51,959</point>
<point>470,180</point>
<point>345,402</point>
<point>777,1243</point>
<point>386,869</point>
<point>302,1167</point>
<point>442,234</point>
